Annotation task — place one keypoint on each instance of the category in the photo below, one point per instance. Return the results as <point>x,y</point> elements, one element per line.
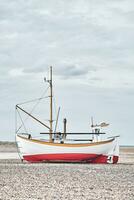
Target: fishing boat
<point>58,148</point>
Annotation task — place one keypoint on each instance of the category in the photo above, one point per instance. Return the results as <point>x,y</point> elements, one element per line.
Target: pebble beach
<point>54,181</point>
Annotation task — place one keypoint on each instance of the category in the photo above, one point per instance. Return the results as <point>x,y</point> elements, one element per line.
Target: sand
<point>54,181</point>
<point>8,147</point>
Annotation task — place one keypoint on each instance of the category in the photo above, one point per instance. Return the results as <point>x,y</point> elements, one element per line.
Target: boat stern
<point>112,156</point>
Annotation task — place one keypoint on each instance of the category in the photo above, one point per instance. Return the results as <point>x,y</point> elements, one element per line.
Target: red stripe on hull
<point>90,158</point>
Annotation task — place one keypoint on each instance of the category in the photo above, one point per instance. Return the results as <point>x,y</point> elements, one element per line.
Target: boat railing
<point>78,140</point>
<point>100,133</point>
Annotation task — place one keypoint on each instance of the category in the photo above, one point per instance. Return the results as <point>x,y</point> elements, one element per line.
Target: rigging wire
<point>22,123</point>
<point>25,102</point>
<point>16,143</point>
<point>57,112</point>
<point>16,120</point>
<point>39,99</point>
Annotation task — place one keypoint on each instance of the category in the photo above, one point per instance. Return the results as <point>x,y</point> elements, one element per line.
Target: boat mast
<point>51,107</point>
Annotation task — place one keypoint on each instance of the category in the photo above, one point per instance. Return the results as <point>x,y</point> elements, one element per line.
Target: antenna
<point>45,80</point>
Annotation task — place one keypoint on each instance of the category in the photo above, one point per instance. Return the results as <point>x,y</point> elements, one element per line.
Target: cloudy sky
<point>90,45</point>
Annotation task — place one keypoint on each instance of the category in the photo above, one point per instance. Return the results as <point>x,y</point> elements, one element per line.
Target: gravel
<point>54,181</point>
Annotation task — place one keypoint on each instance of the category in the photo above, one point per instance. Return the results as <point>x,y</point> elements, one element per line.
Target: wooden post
<point>65,128</point>
<point>51,107</point>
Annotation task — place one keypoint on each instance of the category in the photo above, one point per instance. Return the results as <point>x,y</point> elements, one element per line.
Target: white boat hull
<point>32,150</point>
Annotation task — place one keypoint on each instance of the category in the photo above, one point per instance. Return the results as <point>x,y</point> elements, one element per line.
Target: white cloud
<point>88,42</point>
<point>16,72</point>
